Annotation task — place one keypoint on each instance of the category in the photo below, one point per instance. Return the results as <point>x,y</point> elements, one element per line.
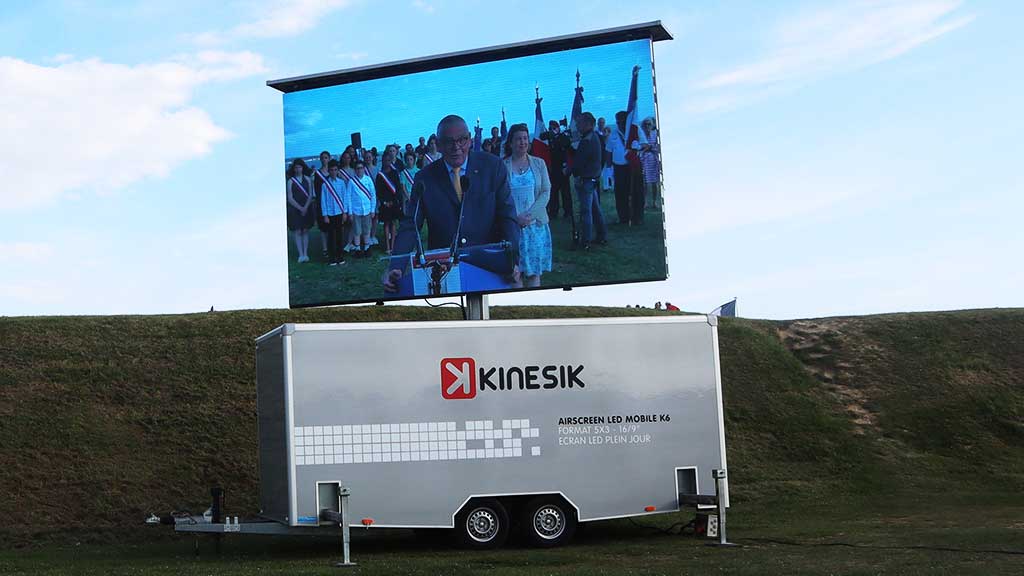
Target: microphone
<point>417,190</point>
<point>464,184</point>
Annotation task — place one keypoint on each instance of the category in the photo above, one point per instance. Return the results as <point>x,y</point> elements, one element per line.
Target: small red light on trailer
<point>367,522</point>
<point>649,508</point>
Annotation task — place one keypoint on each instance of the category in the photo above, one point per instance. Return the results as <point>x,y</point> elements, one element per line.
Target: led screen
<point>528,173</point>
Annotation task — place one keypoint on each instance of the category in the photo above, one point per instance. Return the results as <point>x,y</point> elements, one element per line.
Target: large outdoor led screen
<point>540,171</point>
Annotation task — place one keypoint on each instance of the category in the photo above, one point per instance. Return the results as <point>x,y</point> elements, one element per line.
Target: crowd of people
<point>657,306</point>
<point>354,195</point>
<point>350,196</point>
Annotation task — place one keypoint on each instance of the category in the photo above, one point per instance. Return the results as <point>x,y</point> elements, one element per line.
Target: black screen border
<point>654,31</point>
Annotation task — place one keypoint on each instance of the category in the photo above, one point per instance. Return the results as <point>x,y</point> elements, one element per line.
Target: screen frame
<point>653,31</point>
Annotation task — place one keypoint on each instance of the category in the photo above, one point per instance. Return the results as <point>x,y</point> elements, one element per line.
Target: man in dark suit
<point>559,144</point>
<point>489,214</point>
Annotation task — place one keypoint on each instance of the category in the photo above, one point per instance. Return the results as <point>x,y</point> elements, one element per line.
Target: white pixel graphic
<point>413,441</point>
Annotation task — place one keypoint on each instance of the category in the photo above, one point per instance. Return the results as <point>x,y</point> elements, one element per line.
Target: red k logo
<point>458,378</point>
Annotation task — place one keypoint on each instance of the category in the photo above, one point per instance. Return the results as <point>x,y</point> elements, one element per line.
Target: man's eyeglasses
<point>453,142</point>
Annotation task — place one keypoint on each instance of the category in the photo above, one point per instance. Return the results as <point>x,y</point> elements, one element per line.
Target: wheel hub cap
<point>548,522</point>
<point>482,525</point>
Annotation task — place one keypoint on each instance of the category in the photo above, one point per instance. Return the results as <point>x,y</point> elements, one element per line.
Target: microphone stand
<point>440,266</point>
<point>415,215</point>
<point>436,269</point>
<point>440,269</point>
<point>454,257</point>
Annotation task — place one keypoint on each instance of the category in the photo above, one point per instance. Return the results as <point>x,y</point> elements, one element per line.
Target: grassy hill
<point>104,419</point>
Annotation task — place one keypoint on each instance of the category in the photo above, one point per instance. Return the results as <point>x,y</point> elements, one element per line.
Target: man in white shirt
<point>362,207</point>
<point>629,191</point>
<point>332,210</point>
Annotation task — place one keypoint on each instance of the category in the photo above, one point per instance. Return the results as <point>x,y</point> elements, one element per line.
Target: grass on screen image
<point>632,253</point>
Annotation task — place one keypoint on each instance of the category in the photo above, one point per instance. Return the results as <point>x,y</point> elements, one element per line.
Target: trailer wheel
<point>548,521</point>
<point>482,524</point>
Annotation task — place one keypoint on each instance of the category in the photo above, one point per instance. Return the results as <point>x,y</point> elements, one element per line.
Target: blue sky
<point>403,108</point>
<point>825,158</point>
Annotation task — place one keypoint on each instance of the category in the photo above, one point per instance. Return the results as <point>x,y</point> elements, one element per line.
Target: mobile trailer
<point>475,425</point>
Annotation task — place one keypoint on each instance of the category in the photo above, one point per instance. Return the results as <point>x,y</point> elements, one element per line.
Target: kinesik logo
<point>458,378</point>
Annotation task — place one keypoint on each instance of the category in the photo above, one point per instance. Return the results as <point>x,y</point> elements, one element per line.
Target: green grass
<point>888,432</point>
<point>908,539</point>
<point>631,254</point>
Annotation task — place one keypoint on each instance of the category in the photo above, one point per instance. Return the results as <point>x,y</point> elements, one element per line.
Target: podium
<point>477,269</point>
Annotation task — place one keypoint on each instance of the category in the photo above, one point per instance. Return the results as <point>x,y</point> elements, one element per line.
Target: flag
<point>574,116</point>
<point>635,136</point>
<point>577,110</point>
<point>538,147</point>
<point>727,309</point>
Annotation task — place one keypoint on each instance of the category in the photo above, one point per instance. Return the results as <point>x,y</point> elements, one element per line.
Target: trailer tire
<point>548,521</point>
<point>482,524</point>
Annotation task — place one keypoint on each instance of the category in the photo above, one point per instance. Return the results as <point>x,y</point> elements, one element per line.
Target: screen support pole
<point>477,307</point>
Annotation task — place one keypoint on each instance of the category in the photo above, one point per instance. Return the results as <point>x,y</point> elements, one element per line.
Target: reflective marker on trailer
<point>650,508</point>
<point>367,522</point>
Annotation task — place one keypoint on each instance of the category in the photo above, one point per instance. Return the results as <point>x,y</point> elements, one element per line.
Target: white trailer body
<point>618,416</point>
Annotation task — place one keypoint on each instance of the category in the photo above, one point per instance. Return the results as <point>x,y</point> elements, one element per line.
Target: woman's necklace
<point>520,170</point>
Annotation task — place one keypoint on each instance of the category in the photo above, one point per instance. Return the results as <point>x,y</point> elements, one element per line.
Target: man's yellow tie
<point>457,181</point>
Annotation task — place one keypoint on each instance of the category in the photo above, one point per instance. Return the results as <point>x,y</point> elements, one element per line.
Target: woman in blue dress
<point>530,186</point>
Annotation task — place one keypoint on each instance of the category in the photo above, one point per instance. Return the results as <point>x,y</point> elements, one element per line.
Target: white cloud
<point>36,295</point>
<point>309,119</point>
<point>847,36</point>
<point>774,179</point>
<point>869,282</point>
<point>214,65</point>
<point>423,6</point>
<point>201,264</point>
<point>24,251</point>
<point>352,56</point>
<point>215,237</point>
<point>278,19</point>
<point>107,124</point>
